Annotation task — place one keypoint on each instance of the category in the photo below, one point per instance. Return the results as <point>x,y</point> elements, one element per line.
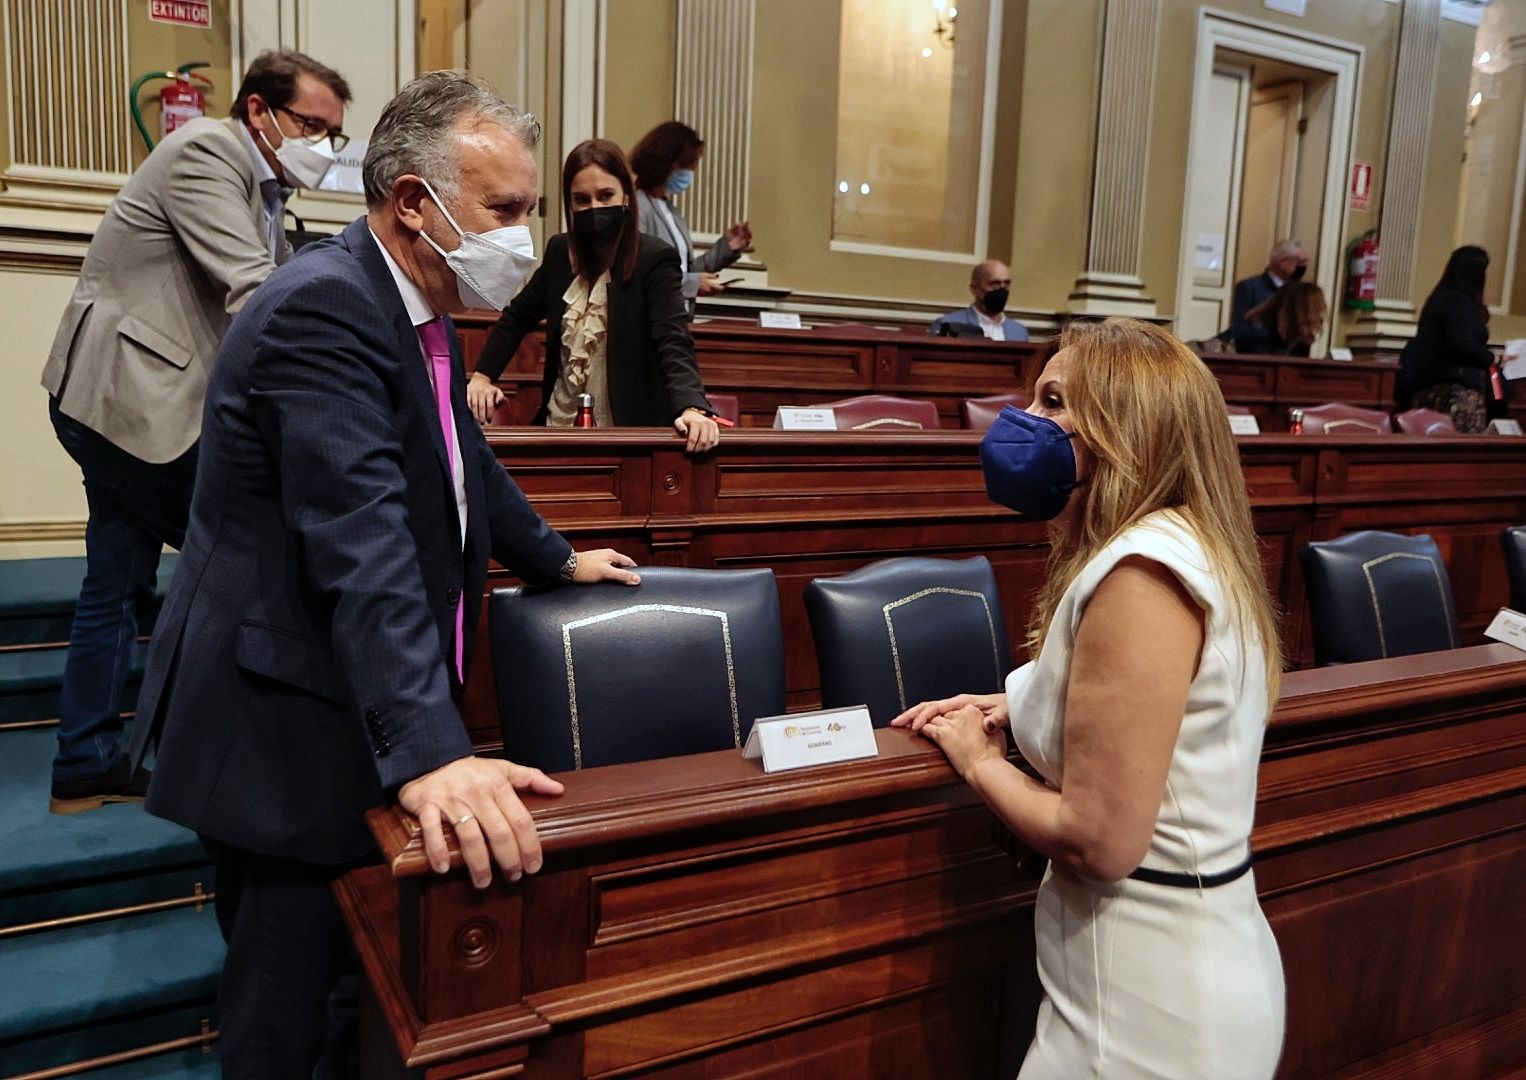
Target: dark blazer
<point>649,355</point>
<point>298,671</point>
<point>1450,346</point>
<point>1249,335</point>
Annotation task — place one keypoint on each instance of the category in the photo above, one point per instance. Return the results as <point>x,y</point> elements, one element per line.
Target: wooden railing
<point>697,917</point>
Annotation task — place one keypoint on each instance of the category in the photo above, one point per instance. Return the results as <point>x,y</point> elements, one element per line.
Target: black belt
<point>1190,881</point>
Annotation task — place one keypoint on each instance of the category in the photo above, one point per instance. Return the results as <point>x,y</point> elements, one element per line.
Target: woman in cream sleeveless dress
<point>1154,955</point>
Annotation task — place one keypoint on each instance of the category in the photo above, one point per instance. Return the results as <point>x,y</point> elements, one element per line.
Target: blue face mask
<point>1029,464</point>
<point>679,182</point>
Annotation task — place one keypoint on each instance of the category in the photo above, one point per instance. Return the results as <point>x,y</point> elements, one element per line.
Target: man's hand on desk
<point>479,799</point>
<point>483,397</point>
<point>604,564</point>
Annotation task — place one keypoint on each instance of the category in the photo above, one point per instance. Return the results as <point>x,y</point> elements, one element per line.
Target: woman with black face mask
<point>1445,366</point>
<point>616,326</point>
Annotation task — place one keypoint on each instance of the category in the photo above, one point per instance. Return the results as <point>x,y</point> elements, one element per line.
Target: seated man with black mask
<point>990,285</point>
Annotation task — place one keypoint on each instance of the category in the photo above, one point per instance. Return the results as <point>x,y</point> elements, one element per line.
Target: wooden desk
<point>811,506</point>
<point>769,368</point>
<point>697,918</point>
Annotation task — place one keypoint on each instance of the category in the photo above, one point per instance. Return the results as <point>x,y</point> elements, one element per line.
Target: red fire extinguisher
<point>1362,271</point>
<point>184,99</point>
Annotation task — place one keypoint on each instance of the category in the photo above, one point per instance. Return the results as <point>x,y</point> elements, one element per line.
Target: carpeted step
<point>37,597</point>
<point>58,865</point>
<point>87,980</point>
<point>30,680</point>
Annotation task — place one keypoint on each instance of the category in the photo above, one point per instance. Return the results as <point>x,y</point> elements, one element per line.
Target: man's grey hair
<point>1283,249</point>
<point>417,131</point>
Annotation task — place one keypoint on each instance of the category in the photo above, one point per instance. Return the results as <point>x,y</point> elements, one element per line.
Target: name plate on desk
<point>1508,626</point>
<point>1242,424</point>
<point>1503,426</point>
<point>814,738</point>
<point>1339,353</point>
<point>779,320</point>
<point>791,418</point>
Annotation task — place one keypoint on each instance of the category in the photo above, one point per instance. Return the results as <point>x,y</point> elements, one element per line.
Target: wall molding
<point>18,532</point>
<point>1345,61</point>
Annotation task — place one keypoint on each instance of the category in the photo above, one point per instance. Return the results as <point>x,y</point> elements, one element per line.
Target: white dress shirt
<point>989,326</point>
<point>420,313</point>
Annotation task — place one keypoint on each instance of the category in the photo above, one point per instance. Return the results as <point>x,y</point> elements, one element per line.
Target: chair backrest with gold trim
<point>1378,594</point>
<point>1338,418</point>
<point>900,631</point>
<point>603,674</point>
<point>881,412</point>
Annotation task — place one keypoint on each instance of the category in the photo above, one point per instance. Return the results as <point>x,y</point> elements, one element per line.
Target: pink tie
<point>436,344</point>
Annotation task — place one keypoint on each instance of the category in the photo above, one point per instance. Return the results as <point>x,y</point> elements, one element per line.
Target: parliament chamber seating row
<point>605,675</point>
<point>807,507</point>
<point>765,368</point>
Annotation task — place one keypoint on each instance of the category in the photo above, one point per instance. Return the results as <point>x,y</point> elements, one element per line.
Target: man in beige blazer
<point>191,235</point>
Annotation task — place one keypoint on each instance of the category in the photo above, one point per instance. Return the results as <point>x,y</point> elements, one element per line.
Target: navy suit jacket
<point>298,672</point>
<point>1010,327</point>
<point>1248,335</point>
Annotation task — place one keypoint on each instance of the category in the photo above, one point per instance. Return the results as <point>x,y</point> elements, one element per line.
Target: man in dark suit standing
<point>311,652</point>
<point>1287,262</point>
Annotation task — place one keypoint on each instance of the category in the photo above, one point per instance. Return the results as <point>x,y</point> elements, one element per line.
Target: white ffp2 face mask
<point>490,267</point>
<point>304,161</point>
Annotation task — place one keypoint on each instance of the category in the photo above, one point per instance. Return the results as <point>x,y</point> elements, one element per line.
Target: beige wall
<point>1045,120</point>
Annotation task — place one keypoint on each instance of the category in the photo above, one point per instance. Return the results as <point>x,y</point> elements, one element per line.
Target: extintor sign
<point>196,13</point>
<point>1361,185</point>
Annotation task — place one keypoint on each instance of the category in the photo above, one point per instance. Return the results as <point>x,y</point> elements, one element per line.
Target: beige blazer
<point>179,251</point>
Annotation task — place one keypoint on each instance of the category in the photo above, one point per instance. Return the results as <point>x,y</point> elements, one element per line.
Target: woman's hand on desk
<point>478,798</point>
<point>700,430</point>
<point>993,711</point>
<point>483,397</point>
<point>964,737</point>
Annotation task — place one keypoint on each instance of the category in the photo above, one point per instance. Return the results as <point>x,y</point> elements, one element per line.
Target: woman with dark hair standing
<point>616,327</point>
<point>1445,366</point>
<point>664,161</point>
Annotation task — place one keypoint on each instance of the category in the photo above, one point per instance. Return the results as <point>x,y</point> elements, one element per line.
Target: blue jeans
<point>135,509</point>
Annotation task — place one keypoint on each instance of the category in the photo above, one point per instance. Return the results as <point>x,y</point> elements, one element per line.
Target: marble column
<point>1392,321</point>
<point>713,95</point>
<point>1111,283</point>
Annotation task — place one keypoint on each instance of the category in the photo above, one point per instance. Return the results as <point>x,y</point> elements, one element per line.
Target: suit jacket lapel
<point>410,350</point>
<point>466,424</point>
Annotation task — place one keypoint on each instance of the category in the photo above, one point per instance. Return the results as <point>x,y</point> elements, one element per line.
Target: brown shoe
<point>116,785</point>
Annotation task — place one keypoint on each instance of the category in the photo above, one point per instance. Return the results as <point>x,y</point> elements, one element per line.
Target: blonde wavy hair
<point>1152,417</point>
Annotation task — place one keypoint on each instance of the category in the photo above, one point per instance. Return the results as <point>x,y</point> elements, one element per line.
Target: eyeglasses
<point>312,128</point>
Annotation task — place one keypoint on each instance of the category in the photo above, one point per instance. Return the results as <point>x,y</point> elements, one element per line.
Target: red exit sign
<point>181,12</point>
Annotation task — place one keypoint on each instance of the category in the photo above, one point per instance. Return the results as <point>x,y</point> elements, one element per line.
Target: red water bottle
<point>585,411</point>
<point>1295,421</point>
<point>1496,381</point>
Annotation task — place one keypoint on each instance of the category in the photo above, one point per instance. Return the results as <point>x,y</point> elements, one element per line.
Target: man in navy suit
<point>990,288</point>
<point>1287,262</point>
<point>311,652</point>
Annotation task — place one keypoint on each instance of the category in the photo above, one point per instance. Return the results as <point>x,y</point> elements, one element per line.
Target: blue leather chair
<point>603,674</point>
<point>1378,594</point>
<point>900,631</point>
<point>1514,542</point>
